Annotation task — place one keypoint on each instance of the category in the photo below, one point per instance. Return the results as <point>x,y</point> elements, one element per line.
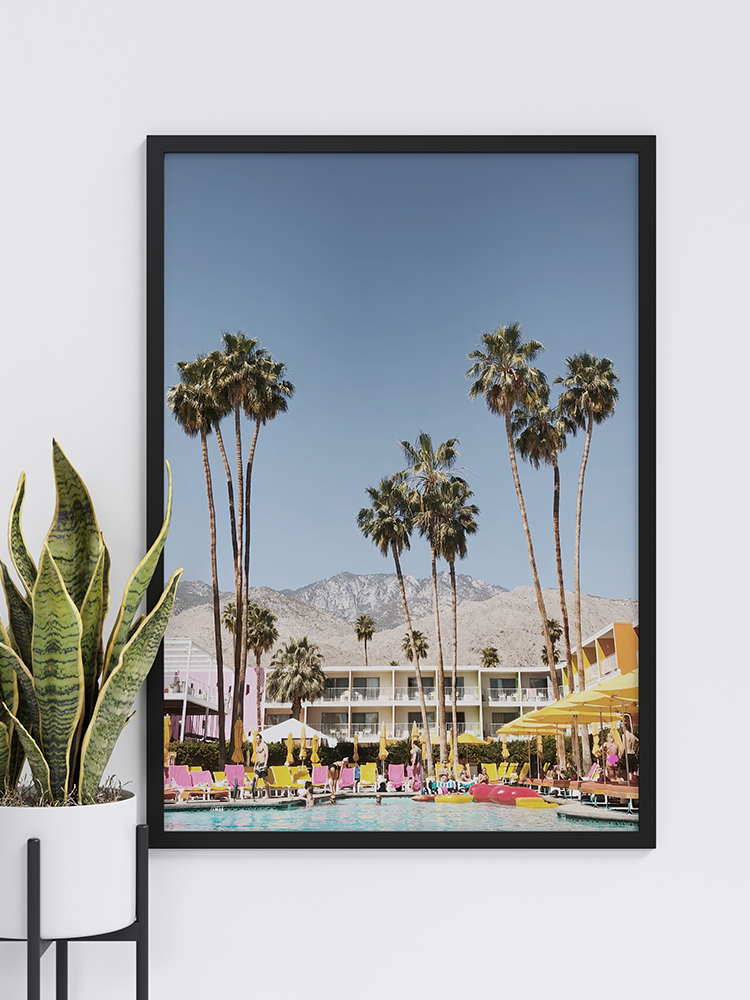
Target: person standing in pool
<point>261,764</point>
<point>416,764</point>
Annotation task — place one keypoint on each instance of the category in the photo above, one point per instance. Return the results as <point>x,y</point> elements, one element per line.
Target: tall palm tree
<point>589,398</point>
<point>247,380</point>
<point>364,628</point>
<point>192,404</point>
<point>268,397</point>
<point>455,520</point>
<point>229,617</point>
<point>296,674</point>
<point>232,375</point>
<point>429,469</point>
<point>261,635</point>
<point>489,657</point>
<point>540,434</point>
<point>504,376</point>
<point>389,523</point>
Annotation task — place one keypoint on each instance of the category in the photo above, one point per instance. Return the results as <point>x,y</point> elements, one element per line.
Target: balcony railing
<point>370,732</point>
<point>537,695</point>
<point>496,696</point>
<point>207,698</point>
<point>430,694</point>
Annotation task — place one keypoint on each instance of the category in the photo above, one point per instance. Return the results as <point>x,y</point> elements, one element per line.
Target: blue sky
<point>372,277</point>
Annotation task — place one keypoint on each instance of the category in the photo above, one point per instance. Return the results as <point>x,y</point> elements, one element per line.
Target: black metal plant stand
<point>36,945</point>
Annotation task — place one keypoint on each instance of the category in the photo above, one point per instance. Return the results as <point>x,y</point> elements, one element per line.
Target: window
<point>538,682</point>
<point>502,683</point>
<point>428,683</point>
<point>334,718</point>
<point>417,717</point>
<point>365,719</point>
<point>500,718</point>
<point>274,720</point>
<point>366,687</point>
<point>337,683</point>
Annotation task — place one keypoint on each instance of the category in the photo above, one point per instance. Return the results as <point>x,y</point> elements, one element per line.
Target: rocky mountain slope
<point>509,621</point>
<point>377,594</point>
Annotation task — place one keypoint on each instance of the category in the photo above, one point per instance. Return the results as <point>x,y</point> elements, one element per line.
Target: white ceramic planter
<point>87,868</point>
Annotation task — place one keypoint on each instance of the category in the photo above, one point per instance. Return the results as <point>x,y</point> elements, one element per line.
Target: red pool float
<point>504,794</point>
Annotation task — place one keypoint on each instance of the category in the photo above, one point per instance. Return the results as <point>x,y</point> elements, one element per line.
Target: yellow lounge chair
<point>491,770</point>
<point>368,775</point>
<point>510,773</point>
<point>501,769</point>
<point>522,774</point>
<point>281,780</point>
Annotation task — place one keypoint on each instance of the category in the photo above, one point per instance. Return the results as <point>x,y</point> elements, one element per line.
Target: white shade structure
<point>280,733</point>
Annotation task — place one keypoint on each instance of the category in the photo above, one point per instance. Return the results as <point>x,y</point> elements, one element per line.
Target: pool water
<point>362,815</point>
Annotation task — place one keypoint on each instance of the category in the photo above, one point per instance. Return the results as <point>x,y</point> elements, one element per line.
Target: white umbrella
<point>280,732</point>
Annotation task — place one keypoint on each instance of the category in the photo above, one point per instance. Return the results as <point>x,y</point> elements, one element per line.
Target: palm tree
<point>269,397</point>
<point>503,375</point>
<point>589,398</point>
<point>261,635</point>
<point>246,379</point>
<point>193,407</point>
<point>540,433</point>
<point>364,628</point>
<point>415,647</point>
<point>489,657</point>
<point>296,674</point>
<point>389,524</point>
<point>455,520</point>
<point>429,467</point>
<point>229,617</point>
<point>556,632</point>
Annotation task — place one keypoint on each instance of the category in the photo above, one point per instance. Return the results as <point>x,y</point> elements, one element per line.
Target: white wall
<point>82,83</point>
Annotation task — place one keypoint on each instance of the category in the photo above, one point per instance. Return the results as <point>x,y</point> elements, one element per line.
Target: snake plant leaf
<point>93,612</point>
<point>20,555</point>
<point>58,670</point>
<point>40,772</point>
<point>4,756</point>
<point>135,590</point>
<point>74,539</point>
<point>20,616</point>
<point>119,690</point>
<point>8,678</point>
<point>26,706</point>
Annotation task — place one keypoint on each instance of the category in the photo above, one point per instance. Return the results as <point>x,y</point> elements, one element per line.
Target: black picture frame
<point>157,147</point>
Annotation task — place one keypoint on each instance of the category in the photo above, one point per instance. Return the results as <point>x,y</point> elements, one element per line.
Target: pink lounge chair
<point>319,776</point>
<point>180,775</point>
<point>396,775</point>
<point>346,780</point>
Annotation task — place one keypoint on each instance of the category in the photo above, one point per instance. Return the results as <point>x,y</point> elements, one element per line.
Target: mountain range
<point>325,611</point>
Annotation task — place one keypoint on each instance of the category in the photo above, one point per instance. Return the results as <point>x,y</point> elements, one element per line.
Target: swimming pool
<point>363,814</point>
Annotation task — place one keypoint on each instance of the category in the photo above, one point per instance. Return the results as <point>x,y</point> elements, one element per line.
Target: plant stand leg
<point>33,921</point>
<point>61,970</point>
<point>141,913</point>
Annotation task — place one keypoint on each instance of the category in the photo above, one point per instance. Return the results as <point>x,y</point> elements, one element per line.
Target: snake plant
<point>66,694</point>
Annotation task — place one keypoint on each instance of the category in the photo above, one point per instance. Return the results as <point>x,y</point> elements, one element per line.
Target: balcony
<point>498,696</point>
<point>430,694</point>
<point>370,732</point>
<point>537,696</point>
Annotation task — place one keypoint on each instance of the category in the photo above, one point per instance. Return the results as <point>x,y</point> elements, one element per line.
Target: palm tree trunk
<point>440,667</point>
<point>577,585</point>
<point>217,610</point>
<point>246,572</point>
<point>563,603</point>
<point>240,624</point>
<point>366,663</point>
<point>230,494</point>
<point>532,562</point>
<point>420,686</point>
<point>454,712</point>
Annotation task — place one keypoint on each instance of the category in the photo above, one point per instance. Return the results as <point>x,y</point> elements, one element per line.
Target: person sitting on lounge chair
<point>483,778</point>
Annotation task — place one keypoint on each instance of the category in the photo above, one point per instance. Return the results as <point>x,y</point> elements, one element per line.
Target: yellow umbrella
<point>595,748</point>
<point>355,753</point>
<point>314,759</point>
<point>239,735</point>
<point>167,734</point>
<point>255,746</point>
<point>290,749</point>
<point>302,744</point>
<point>414,731</point>
<point>383,751</point>
<point>506,752</point>
<point>469,738</point>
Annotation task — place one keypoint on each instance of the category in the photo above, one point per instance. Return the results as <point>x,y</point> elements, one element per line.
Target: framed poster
<point>405,387</point>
